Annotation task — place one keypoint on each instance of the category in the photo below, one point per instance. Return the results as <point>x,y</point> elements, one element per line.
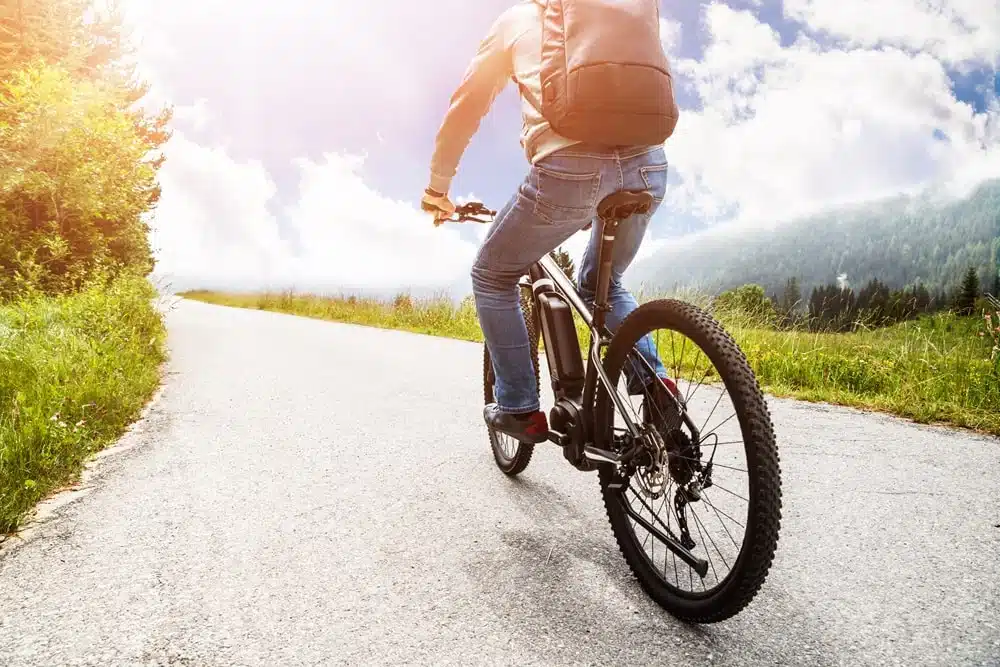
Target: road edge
<point>50,508</point>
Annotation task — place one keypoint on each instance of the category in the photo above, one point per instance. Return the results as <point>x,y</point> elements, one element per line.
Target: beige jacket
<point>512,49</point>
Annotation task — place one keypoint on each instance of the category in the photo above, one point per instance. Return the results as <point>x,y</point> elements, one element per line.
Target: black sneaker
<point>530,427</point>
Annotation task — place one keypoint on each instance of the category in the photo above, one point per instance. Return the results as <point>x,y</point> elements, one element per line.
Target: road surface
<point>306,493</point>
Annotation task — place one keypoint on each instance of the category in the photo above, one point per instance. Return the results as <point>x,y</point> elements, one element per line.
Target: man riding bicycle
<point>568,176</point>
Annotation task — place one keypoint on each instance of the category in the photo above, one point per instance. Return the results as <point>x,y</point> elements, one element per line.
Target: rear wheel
<point>512,456</point>
<point>718,494</point>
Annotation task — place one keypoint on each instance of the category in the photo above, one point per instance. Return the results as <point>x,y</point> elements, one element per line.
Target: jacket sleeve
<point>490,70</point>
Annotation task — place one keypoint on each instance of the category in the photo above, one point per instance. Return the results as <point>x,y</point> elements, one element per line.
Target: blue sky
<point>787,108</point>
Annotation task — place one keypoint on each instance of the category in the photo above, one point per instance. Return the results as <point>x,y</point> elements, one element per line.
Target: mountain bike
<point>665,479</point>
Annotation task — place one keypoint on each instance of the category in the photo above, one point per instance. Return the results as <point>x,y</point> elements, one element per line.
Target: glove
<point>437,203</point>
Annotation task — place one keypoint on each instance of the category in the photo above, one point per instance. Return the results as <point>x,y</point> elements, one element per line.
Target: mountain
<point>899,241</point>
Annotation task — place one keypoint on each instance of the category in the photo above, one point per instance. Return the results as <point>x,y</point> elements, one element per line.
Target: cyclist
<point>558,198</point>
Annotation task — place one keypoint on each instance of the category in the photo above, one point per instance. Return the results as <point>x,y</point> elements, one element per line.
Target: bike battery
<point>562,345</point>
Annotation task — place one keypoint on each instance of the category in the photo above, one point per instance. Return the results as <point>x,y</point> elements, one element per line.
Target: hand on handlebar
<point>439,205</point>
<point>443,209</point>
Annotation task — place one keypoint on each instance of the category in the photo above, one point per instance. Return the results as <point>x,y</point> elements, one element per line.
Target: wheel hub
<point>655,464</point>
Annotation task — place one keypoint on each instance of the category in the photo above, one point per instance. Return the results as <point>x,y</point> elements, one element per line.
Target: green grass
<point>935,369</point>
<point>436,317</point>
<point>74,372</point>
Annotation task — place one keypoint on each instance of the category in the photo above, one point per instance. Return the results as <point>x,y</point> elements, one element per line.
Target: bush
<point>74,371</point>
<point>748,303</point>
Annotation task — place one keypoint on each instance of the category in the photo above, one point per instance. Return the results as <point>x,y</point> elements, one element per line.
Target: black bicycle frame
<point>546,272</point>
<point>546,276</point>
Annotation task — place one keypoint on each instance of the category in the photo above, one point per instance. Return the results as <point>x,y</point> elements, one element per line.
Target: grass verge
<point>935,369</point>
<point>74,372</point>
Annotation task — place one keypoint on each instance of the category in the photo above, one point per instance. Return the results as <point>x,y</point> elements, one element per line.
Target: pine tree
<point>791,296</point>
<point>564,261</point>
<point>966,301</point>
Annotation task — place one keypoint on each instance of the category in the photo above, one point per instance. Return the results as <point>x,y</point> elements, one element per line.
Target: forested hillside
<point>898,242</point>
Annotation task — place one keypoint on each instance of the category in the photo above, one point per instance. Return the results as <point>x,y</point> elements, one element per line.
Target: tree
<point>922,298</point>
<point>900,242</point>
<point>791,296</point>
<point>564,261</point>
<point>74,34</point>
<point>749,300</point>
<point>832,307</point>
<point>75,183</point>
<point>89,43</point>
<point>877,300</point>
<point>967,294</point>
<point>77,154</point>
<point>788,303</point>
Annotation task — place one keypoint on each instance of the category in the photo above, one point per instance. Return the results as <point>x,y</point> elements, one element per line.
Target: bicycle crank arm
<point>698,564</point>
<point>601,455</point>
<point>561,439</point>
<point>589,451</point>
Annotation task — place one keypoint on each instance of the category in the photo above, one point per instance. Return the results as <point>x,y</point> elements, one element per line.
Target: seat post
<point>611,210</point>
<point>605,257</point>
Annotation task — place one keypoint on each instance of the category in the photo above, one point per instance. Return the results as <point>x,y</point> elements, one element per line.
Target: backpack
<point>605,78</point>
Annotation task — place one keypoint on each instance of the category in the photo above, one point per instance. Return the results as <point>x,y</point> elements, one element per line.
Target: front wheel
<point>512,456</point>
<point>714,489</point>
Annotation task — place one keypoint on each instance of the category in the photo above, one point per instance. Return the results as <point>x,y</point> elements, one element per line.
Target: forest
<point>904,242</point>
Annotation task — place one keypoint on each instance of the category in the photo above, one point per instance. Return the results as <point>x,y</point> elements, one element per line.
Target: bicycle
<point>652,447</point>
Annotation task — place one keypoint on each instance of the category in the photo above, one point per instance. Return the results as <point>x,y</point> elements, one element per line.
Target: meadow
<point>938,368</point>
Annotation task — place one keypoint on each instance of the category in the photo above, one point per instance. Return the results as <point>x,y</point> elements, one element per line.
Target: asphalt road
<point>305,493</point>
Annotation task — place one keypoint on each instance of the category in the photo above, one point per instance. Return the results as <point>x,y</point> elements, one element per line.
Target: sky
<point>303,130</point>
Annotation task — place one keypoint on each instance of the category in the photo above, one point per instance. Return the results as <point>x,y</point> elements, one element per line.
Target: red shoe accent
<point>539,424</point>
<point>671,386</point>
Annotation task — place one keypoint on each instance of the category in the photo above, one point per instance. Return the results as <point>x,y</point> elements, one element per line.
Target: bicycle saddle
<point>624,204</point>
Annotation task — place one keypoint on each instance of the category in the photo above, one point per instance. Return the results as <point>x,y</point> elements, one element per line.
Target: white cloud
<point>789,131</point>
<point>955,31</point>
<point>213,229</point>
<point>670,35</point>
<point>779,132</point>
<point>196,115</point>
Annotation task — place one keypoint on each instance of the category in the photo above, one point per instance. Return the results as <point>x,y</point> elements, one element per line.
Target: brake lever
<point>464,216</point>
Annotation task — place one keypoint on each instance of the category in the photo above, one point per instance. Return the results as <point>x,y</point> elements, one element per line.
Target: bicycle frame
<point>546,273</point>
<point>544,279</point>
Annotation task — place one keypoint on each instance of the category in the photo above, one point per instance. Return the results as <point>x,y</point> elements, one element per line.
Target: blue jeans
<point>558,198</point>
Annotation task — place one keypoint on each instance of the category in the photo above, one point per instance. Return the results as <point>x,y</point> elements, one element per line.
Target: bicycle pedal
<point>561,439</point>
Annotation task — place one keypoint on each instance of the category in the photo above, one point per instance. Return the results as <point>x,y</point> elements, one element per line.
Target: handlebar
<point>468,212</point>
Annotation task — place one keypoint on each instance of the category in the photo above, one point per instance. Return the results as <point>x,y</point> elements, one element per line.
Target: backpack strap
<point>526,94</point>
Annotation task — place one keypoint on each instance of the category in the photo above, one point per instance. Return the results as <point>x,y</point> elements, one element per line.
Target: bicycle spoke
<point>698,522</point>
<point>722,488</point>
<point>717,401</point>
<point>697,525</point>
<point>690,395</point>
<point>718,425</point>
<point>704,499</point>
<point>723,523</point>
